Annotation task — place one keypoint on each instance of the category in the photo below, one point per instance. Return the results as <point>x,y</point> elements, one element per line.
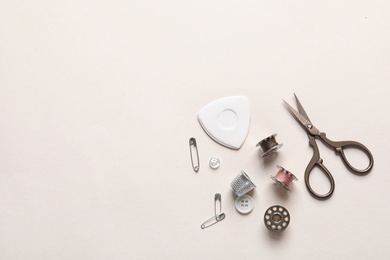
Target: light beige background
<point>99,98</point>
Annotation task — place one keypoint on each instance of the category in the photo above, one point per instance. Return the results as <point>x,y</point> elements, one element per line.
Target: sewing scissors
<point>338,146</point>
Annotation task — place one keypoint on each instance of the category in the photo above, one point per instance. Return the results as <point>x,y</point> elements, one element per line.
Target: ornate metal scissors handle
<point>316,161</point>
<point>340,146</point>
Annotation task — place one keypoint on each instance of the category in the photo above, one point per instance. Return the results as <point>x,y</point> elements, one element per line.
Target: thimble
<point>242,184</point>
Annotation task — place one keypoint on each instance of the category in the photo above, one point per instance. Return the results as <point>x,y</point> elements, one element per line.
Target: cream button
<point>214,163</point>
<point>244,204</point>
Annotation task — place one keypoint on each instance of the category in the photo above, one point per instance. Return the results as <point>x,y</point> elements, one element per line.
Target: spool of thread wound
<point>284,178</point>
<point>269,145</point>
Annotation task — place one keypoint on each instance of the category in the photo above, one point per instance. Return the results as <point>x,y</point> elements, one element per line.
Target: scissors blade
<point>300,118</point>
<point>300,108</point>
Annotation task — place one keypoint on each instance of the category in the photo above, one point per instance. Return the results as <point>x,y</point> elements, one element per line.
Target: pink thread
<point>284,176</point>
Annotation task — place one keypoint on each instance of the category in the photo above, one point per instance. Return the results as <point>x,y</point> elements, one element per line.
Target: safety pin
<point>194,147</point>
<point>217,216</point>
<point>217,200</point>
<point>213,220</point>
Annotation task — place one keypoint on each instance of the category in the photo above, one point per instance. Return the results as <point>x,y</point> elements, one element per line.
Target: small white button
<point>244,204</point>
<point>214,163</point>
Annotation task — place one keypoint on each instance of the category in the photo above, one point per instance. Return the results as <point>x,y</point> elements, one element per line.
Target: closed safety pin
<point>194,160</point>
<point>217,200</point>
<point>213,220</point>
<point>217,216</point>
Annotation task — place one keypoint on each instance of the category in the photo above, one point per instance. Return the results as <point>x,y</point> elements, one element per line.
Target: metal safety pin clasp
<point>194,155</point>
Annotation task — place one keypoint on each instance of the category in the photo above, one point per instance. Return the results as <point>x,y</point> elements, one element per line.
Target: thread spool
<point>284,178</point>
<point>269,145</point>
<point>277,218</point>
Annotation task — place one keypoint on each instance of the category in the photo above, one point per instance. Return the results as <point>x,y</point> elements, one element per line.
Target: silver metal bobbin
<point>277,218</point>
<point>269,145</point>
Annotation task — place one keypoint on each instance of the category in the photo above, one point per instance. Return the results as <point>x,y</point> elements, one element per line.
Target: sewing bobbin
<point>276,218</point>
<point>284,178</point>
<point>269,145</point>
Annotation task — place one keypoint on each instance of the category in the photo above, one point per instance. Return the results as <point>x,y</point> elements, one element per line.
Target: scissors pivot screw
<point>269,145</point>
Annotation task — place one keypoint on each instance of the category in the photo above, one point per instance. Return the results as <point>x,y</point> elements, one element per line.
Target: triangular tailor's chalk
<point>227,120</point>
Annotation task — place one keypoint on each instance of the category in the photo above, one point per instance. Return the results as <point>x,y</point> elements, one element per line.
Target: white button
<point>214,163</point>
<point>244,204</point>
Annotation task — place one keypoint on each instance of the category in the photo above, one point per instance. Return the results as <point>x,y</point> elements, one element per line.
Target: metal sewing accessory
<point>194,154</point>
<point>316,160</point>
<point>213,220</point>
<point>242,184</point>
<point>217,200</point>
<point>284,178</point>
<point>214,163</point>
<point>218,214</point>
<point>277,218</point>
<point>269,145</point>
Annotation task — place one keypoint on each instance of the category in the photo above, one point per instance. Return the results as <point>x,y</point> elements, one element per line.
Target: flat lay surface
<point>98,101</point>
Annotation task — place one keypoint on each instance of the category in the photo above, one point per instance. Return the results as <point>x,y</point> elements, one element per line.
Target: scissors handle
<point>316,161</point>
<point>341,145</point>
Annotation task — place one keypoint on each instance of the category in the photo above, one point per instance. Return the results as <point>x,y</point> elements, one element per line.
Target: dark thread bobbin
<point>269,145</point>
